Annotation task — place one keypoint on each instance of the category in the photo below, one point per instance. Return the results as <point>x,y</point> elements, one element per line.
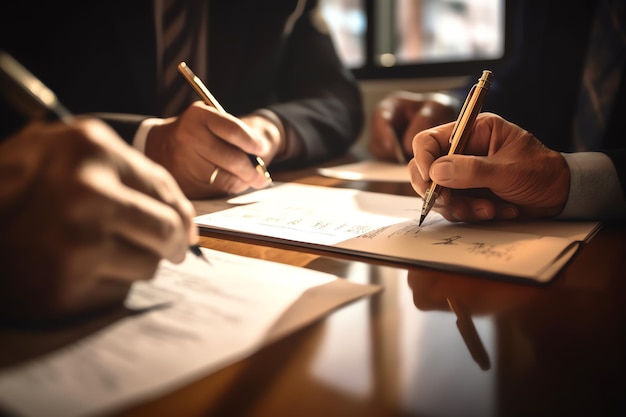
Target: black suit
<point>101,57</point>
<point>537,87</point>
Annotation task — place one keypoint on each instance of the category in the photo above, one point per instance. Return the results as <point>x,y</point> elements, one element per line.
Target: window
<point>412,38</point>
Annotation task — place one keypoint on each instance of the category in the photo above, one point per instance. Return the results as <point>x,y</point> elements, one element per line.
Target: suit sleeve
<point>596,186</point>
<point>126,125</point>
<point>319,100</point>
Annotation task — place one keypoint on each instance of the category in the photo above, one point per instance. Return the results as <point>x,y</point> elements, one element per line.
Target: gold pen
<point>470,334</point>
<point>460,132</point>
<point>208,98</point>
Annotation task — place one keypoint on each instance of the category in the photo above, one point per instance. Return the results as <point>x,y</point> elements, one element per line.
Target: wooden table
<point>554,350</point>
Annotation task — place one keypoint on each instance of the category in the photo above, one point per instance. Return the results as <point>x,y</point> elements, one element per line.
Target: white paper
<point>216,315</point>
<point>386,226</point>
<point>369,170</point>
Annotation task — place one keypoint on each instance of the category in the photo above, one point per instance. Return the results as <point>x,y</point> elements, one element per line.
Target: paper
<point>217,314</point>
<point>369,170</point>
<point>385,227</point>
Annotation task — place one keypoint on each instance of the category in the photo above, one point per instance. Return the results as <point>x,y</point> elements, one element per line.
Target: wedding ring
<point>214,175</point>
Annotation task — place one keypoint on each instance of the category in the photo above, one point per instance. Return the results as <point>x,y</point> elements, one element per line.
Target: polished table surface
<point>518,350</point>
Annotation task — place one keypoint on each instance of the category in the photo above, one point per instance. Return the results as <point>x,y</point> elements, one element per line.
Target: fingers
<point>465,171</point>
<point>124,261</point>
<point>431,113</point>
<point>96,276</point>
<point>428,146</point>
<point>136,200</point>
<point>524,178</point>
<point>145,221</point>
<point>151,183</point>
<point>402,115</point>
<point>464,208</point>
<point>191,146</point>
<point>383,134</point>
<point>235,141</point>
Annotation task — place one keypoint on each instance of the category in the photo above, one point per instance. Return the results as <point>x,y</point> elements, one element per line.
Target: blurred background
<point>416,45</point>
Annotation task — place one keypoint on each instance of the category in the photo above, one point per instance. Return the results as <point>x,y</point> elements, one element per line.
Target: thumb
<point>465,171</point>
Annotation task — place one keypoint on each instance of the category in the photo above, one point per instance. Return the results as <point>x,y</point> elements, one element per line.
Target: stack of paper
<point>213,315</point>
<point>385,226</point>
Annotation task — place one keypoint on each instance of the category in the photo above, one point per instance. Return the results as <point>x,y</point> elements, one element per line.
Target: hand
<point>401,115</point>
<point>504,173</point>
<point>202,139</point>
<point>432,289</point>
<point>82,215</point>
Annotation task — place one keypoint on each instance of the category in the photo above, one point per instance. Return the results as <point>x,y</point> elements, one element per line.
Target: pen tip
<point>421,220</point>
<point>195,249</point>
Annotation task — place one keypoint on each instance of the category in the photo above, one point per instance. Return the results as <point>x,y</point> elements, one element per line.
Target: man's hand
<point>504,173</point>
<point>82,215</point>
<point>192,145</point>
<point>401,115</point>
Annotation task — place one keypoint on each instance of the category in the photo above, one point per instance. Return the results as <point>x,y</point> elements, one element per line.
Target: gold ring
<point>214,175</point>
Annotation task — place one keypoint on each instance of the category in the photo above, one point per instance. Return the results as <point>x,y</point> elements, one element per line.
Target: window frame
<point>370,70</point>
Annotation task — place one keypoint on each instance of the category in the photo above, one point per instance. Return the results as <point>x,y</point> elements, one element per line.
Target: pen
<point>470,335</point>
<point>460,133</point>
<point>35,100</point>
<point>208,98</point>
<point>398,151</point>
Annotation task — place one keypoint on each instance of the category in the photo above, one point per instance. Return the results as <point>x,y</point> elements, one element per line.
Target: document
<point>384,226</point>
<point>209,317</point>
<point>369,170</point>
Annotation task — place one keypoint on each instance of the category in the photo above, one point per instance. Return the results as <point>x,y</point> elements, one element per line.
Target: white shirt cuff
<point>595,191</point>
<point>139,141</point>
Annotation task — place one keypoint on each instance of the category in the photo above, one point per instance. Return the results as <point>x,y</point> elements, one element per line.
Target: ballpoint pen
<point>208,98</point>
<point>398,151</point>
<point>34,100</point>
<point>460,133</point>
<point>470,335</point>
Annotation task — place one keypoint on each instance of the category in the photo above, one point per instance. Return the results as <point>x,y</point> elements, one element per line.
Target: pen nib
<point>422,217</point>
<point>195,249</point>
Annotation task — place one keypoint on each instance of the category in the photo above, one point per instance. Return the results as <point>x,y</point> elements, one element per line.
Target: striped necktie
<point>606,55</point>
<point>180,36</point>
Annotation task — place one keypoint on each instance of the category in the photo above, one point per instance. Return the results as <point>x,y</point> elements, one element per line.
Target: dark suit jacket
<point>101,57</point>
<point>538,86</point>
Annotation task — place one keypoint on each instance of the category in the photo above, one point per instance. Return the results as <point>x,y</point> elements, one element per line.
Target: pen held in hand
<point>195,249</point>
<point>208,98</point>
<point>470,334</point>
<point>460,133</point>
<point>398,151</point>
<point>34,100</point>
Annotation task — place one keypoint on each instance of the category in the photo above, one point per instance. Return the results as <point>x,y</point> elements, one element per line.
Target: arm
<point>319,101</point>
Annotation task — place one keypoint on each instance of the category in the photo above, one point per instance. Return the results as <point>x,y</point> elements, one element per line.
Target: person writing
<point>507,173</point>
<point>271,65</point>
<point>571,98</point>
<point>82,216</point>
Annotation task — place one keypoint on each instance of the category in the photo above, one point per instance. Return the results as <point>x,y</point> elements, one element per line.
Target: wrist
<point>141,136</point>
<point>156,147</point>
